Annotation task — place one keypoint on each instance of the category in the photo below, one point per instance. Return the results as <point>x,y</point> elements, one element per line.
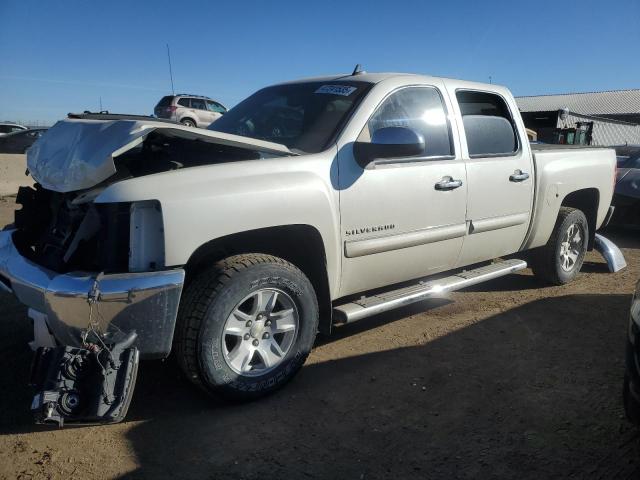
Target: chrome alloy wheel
<point>260,332</point>
<point>571,247</point>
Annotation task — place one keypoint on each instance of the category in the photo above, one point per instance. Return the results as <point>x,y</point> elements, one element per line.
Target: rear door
<point>203,117</point>
<point>500,175</point>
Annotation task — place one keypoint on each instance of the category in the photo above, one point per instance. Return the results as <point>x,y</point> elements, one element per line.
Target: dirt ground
<point>504,380</point>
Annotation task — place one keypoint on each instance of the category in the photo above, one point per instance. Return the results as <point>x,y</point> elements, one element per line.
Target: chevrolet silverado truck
<point>310,204</point>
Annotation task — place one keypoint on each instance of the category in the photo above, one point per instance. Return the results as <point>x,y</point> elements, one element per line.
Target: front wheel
<point>246,325</point>
<point>560,260</point>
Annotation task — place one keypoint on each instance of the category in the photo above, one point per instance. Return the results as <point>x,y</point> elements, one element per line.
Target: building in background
<point>594,118</point>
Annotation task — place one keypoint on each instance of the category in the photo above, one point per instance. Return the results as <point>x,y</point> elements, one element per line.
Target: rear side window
<point>488,125</point>
<point>420,109</point>
<point>184,102</point>
<point>198,103</point>
<point>165,101</point>
<point>621,160</point>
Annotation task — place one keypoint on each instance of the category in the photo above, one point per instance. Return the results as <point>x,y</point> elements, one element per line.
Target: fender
<point>556,177</point>
<point>200,204</point>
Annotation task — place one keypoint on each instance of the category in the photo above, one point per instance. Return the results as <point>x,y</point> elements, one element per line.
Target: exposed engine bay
<point>63,230</point>
<point>81,153</point>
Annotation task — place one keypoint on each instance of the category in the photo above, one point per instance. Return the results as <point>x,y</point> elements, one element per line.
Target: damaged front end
<point>84,385</point>
<point>101,323</point>
<point>93,274</point>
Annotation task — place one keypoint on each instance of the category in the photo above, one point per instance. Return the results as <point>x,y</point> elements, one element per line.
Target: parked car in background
<point>631,390</point>
<point>190,110</point>
<point>19,141</point>
<point>7,127</point>
<point>626,197</point>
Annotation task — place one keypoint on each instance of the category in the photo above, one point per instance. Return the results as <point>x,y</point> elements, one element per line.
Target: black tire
<point>187,122</point>
<point>631,405</point>
<point>547,263</point>
<point>210,299</point>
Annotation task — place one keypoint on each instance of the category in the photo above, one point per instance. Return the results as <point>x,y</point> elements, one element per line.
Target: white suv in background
<point>190,110</point>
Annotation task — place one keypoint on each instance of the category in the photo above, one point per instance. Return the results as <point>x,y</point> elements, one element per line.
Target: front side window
<point>215,107</point>
<point>419,109</point>
<point>305,117</point>
<point>488,125</point>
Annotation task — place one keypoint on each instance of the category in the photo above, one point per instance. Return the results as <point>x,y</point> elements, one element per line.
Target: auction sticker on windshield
<point>343,90</point>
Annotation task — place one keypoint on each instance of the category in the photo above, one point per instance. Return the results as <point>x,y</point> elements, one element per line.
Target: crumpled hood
<point>76,154</point>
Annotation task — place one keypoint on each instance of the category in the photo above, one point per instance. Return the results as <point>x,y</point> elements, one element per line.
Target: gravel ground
<point>503,380</point>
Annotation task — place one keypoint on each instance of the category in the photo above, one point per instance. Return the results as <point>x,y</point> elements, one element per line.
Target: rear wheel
<point>560,260</point>
<point>187,122</point>
<point>246,325</point>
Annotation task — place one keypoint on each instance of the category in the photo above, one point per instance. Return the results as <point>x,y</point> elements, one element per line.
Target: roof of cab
<point>379,77</point>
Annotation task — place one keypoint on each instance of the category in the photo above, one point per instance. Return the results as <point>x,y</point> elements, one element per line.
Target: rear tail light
<point>171,109</point>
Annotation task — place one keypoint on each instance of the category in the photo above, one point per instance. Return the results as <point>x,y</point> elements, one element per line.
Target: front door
<point>403,218</point>
<point>215,110</point>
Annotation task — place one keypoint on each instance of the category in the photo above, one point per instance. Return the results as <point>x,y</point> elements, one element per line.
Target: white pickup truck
<point>310,204</point>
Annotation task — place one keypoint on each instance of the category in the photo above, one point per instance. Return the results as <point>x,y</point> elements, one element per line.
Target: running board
<point>383,302</point>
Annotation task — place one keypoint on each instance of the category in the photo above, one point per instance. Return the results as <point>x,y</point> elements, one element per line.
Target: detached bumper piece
<point>91,385</point>
<point>611,253</point>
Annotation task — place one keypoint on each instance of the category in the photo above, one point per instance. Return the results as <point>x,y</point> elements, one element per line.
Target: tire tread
<point>543,261</point>
<point>197,299</point>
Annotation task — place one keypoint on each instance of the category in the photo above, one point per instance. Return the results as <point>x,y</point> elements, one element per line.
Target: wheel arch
<point>300,244</point>
<point>190,119</point>
<point>587,200</point>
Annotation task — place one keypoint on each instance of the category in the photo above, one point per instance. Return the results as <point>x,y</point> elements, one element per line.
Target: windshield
<point>628,157</point>
<point>303,116</point>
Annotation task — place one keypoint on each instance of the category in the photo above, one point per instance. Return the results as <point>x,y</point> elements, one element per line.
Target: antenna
<point>358,70</point>
<point>173,92</point>
<point>100,103</point>
<point>490,79</point>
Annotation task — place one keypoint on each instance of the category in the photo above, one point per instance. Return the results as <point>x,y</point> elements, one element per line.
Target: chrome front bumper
<point>145,302</point>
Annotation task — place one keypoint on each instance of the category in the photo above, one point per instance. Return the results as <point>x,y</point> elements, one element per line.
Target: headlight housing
<point>146,236</point>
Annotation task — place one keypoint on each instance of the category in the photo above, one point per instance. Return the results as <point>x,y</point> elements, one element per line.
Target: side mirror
<point>389,142</point>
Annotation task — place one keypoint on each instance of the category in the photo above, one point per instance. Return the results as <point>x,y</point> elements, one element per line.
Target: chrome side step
<point>383,302</point>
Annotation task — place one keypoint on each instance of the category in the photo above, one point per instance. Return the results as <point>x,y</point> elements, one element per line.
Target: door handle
<point>518,176</point>
<point>448,183</point>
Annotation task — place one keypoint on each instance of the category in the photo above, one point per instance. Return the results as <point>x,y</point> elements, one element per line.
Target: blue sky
<point>61,56</point>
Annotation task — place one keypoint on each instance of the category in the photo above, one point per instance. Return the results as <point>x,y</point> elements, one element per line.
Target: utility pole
<point>173,92</point>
